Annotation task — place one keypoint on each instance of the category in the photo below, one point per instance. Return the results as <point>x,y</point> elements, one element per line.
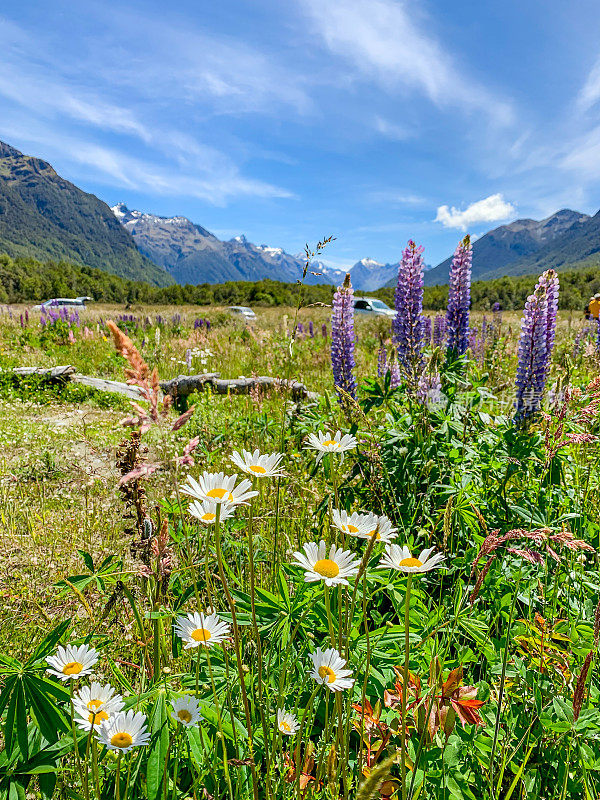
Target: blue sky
<point>374,121</point>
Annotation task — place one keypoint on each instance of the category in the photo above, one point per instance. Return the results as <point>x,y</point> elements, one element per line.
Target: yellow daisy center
<point>327,568</point>
<point>94,704</point>
<point>258,469</point>
<point>375,533</point>
<point>352,528</point>
<point>208,517</point>
<point>184,715</point>
<point>122,740</point>
<point>99,716</point>
<point>201,635</point>
<point>330,443</point>
<point>72,668</point>
<point>219,493</point>
<point>285,726</point>
<point>327,672</point>
<point>411,562</point>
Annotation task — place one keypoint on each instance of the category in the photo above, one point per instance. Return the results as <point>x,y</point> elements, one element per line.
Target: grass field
<point>476,678</point>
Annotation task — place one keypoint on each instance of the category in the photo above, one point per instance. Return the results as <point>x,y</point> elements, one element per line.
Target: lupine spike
<point>538,327</point>
<point>459,299</point>
<point>408,324</point>
<point>382,365</point>
<point>342,341</point>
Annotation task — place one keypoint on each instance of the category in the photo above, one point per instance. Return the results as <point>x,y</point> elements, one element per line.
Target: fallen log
<point>180,387</point>
<point>51,373</point>
<point>184,385</point>
<point>104,385</point>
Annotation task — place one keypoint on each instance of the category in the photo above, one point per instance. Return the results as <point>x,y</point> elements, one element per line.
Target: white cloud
<point>391,130</point>
<point>215,181</point>
<point>491,209</point>
<point>590,92</point>
<point>385,42</point>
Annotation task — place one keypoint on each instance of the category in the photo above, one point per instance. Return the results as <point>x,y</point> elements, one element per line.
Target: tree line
<point>26,280</point>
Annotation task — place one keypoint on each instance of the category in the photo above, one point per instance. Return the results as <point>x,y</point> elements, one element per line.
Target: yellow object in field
<point>594,307</point>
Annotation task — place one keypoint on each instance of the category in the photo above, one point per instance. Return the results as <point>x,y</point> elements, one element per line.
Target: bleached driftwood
<point>184,385</point>
<point>180,388</point>
<point>103,385</point>
<point>67,373</point>
<point>51,373</point>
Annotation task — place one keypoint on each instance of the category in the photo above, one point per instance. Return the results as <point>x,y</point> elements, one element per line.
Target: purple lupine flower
<point>382,365</point>
<point>472,339</point>
<point>427,330</point>
<point>535,346</point>
<point>324,330</point>
<point>598,335</point>
<point>342,341</point>
<point>429,390</point>
<point>27,316</point>
<point>408,322</point>
<point>439,330</point>
<point>577,343</point>
<point>395,377</point>
<point>22,320</point>
<point>207,323</point>
<point>549,279</point>
<point>459,299</point>
<point>311,329</point>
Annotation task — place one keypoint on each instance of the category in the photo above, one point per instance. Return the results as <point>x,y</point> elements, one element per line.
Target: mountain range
<point>567,239</point>
<point>192,254</point>
<point>46,217</point>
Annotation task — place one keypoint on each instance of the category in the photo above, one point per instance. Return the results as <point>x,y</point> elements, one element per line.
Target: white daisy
<point>198,628</point>
<point>337,568</point>
<point>71,662</point>
<point>287,722</point>
<point>324,443</point>
<point>378,526</point>
<point>124,731</point>
<point>94,704</point>
<point>329,669</point>
<point>219,488</point>
<point>352,524</point>
<point>400,558</point>
<point>257,465</point>
<point>186,710</point>
<point>206,511</point>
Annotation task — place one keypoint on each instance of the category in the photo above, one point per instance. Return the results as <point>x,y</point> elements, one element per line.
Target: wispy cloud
<point>393,197</point>
<point>491,209</point>
<point>385,42</point>
<point>215,184</point>
<point>590,91</point>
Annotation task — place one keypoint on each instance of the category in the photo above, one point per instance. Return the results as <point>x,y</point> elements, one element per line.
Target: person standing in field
<point>593,307</point>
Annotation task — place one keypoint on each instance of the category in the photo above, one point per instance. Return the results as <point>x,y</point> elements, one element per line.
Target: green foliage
<point>24,280</point>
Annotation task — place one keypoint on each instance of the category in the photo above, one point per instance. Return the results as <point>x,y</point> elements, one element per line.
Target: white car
<point>372,305</point>
<point>242,311</point>
<point>63,302</point>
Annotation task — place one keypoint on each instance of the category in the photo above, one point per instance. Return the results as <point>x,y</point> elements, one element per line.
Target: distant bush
<point>25,280</point>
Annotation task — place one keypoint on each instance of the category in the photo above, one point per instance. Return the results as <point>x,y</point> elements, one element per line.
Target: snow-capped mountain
<point>368,274</point>
<point>194,255</point>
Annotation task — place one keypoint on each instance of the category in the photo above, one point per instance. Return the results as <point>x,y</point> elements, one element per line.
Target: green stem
<point>219,724</point>
<point>118,778</point>
<point>329,617</point>
<point>299,739</point>
<point>238,654</point>
<point>405,681</point>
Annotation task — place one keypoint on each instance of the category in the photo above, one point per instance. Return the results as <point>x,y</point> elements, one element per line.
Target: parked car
<point>63,302</point>
<point>242,311</point>
<point>372,305</point>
